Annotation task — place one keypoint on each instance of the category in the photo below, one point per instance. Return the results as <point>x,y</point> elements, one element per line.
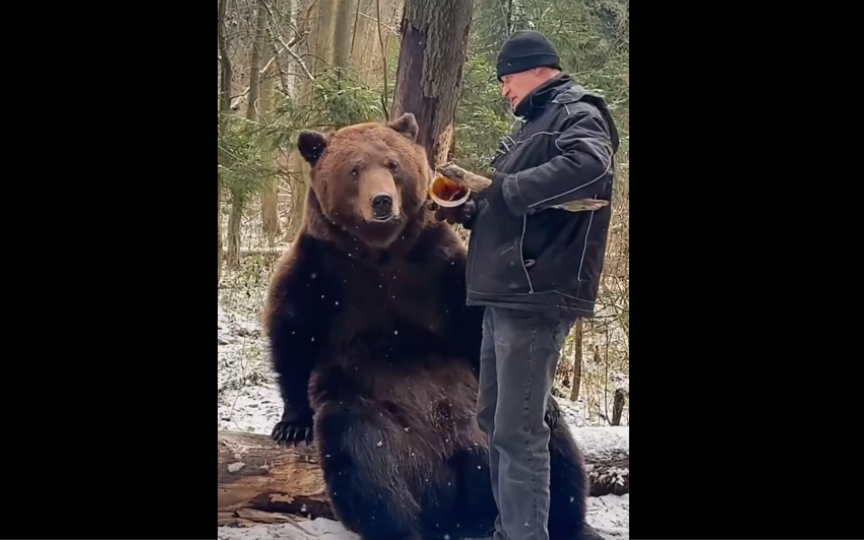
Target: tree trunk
<point>317,47</point>
<point>219,232</point>
<point>299,188</point>
<point>262,252</point>
<point>256,474</point>
<point>342,33</point>
<point>322,36</point>
<point>366,52</point>
<point>618,406</point>
<point>578,359</point>
<point>269,193</point>
<point>275,28</point>
<point>238,200</point>
<point>430,70</point>
<point>232,258</point>
<point>224,60</point>
<point>258,46</point>
<point>224,108</point>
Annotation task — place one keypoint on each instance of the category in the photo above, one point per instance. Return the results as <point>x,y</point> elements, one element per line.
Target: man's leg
<point>487,396</point>
<point>527,349</point>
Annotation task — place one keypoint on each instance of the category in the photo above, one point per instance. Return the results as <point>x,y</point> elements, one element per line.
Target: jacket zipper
<point>523,233</point>
<point>508,158</point>
<point>523,258</point>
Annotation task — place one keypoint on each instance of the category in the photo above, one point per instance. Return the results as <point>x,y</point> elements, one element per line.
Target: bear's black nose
<point>382,205</point>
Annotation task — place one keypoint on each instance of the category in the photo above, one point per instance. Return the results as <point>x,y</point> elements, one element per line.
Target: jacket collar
<point>535,102</point>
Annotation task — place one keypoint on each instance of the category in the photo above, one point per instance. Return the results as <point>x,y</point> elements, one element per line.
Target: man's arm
<point>587,156</point>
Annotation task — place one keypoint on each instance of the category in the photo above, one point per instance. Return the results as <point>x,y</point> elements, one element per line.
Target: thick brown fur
<point>377,353</point>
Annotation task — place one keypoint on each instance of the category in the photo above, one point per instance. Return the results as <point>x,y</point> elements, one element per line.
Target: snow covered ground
<point>248,400</point>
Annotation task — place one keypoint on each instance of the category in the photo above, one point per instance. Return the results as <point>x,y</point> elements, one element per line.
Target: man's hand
<point>463,214</point>
<point>482,189</point>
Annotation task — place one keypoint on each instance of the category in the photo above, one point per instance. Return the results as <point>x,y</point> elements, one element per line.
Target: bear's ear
<point>405,125</point>
<point>311,145</point>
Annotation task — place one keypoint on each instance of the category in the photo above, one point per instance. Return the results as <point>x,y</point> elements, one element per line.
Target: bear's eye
<point>392,165</point>
<point>354,171</point>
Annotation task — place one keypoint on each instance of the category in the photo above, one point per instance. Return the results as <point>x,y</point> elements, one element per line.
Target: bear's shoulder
<point>437,243</point>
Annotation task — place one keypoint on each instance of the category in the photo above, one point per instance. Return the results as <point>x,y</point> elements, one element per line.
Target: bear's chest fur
<point>388,299</point>
<point>391,332</point>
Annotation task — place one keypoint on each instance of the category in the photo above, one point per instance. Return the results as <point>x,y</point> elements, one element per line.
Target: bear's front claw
<point>291,433</point>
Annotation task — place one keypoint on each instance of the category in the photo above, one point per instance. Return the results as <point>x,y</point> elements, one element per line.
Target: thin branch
<point>291,25</point>
<point>266,67</point>
<point>293,54</point>
<point>354,30</point>
<point>286,48</point>
<point>239,96</point>
<point>283,81</point>
<point>296,58</point>
<point>391,28</point>
<point>236,100</point>
<point>383,58</point>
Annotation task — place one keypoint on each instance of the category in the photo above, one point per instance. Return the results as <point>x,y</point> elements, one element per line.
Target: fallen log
<point>257,477</point>
<point>607,453</point>
<point>255,473</point>
<point>264,251</point>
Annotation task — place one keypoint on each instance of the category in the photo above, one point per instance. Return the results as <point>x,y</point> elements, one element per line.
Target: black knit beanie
<point>526,49</point>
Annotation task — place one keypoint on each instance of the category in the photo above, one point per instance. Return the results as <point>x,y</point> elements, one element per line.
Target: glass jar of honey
<point>447,193</point>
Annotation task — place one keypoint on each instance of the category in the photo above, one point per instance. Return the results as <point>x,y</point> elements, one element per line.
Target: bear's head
<point>369,179</point>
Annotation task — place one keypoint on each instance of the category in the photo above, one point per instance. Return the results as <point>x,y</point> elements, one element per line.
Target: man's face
<point>516,86</point>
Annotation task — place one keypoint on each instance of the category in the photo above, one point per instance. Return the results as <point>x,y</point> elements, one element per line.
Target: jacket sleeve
<point>586,157</point>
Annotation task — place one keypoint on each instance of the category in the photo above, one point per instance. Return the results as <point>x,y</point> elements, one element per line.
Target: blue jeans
<point>519,355</point>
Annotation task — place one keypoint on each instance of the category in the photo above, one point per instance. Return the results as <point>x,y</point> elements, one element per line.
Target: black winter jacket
<point>523,252</point>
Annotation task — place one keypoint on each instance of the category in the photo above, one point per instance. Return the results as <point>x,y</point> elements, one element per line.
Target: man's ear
<point>311,145</point>
<point>405,125</point>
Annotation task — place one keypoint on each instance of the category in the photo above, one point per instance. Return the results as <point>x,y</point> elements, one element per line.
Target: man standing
<point>534,266</point>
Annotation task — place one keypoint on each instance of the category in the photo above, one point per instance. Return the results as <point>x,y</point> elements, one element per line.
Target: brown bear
<point>377,354</point>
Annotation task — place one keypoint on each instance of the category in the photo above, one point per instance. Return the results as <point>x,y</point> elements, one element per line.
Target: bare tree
<point>225,74</point>
<point>269,193</point>
<point>618,406</point>
<point>430,71</point>
<point>318,16</point>
<point>257,107</point>
<point>239,199</point>
<point>366,48</point>
<point>219,232</point>
<point>322,35</point>
<point>343,35</point>
<point>258,47</point>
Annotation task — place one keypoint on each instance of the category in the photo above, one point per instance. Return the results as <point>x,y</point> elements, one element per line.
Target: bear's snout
<point>379,196</point>
<point>382,206</point>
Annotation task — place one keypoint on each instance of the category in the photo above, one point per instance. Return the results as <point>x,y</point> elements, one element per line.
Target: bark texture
<point>430,70</point>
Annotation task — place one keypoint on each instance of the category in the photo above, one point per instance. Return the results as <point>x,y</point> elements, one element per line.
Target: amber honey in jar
<point>447,193</point>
